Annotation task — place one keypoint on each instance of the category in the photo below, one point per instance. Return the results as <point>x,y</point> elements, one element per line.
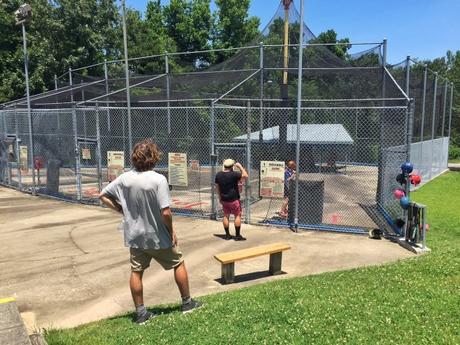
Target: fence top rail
<point>51,111</point>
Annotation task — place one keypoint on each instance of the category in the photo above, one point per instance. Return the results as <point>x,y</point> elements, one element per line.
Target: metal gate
<point>89,174</point>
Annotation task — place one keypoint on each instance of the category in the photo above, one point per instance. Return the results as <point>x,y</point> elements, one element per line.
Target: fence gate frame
<point>16,141</point>
<point>97,145</point>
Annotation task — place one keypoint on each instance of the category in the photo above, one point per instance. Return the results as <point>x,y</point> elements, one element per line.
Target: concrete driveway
<point>66,264</point>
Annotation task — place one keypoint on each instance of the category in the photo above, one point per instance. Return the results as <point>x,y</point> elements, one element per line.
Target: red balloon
<point>415,179</point>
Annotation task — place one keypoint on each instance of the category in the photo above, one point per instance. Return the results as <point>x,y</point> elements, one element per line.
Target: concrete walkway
<point>454,166</point>
<point>66,263</point>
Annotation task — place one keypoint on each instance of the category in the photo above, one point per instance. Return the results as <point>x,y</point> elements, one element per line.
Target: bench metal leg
<point>275,263</point>
<point>228,273</point>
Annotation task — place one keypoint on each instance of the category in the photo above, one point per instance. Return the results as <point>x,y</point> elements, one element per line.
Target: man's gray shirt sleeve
<point>163,194</point>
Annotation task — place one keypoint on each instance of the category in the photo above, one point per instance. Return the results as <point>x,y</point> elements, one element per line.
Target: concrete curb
<point>12,328</point>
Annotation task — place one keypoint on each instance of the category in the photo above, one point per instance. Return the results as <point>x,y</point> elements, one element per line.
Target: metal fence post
<point>444,108</point>
<point>433,134</point>
<point>98,149</point>
<point>213,165</point>
<point>29,110</point>
<point>433,121</point>
<point>71,85</point>
<point>168,104</point>
<point>299,110</point>
<point>248,165</point>
<point>422,124</point>
<point>379,194</point>
<point>18,152</point>
<point>77,153</point>
<point>450,108</point>
<point>106,77</point>
<point>261,105</point>
<point>408,105</point>
<point>128,91</point>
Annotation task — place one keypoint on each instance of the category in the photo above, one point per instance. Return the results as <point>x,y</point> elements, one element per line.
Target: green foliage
<point>232,26</point>
<point>454,153</point>
<point>414,301</point>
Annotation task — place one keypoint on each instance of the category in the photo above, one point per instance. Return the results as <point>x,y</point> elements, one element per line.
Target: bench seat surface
<point>242,254</point>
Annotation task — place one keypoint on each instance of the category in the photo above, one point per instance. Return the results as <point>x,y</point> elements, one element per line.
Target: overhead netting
<point>265,69</point>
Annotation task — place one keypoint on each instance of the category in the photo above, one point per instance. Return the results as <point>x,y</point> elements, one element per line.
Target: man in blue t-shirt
<point>289,174</point>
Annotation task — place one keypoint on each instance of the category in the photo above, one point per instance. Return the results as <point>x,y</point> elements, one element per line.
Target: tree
<point>189,23</point>
<point>232,26</point>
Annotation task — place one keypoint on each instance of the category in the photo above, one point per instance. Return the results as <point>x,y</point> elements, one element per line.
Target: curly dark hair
<point>145,155</point>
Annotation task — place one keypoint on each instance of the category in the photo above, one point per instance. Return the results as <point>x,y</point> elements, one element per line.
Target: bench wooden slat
<point>242,254</point>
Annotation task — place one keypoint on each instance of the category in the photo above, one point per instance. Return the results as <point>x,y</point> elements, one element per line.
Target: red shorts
<point>232,207</point>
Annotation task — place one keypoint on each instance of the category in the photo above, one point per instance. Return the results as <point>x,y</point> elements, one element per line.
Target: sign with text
<point>86,153</point>
<point>115,164</point>
<point>23,154</point>
<point>177,169</point>
<point>272,179</point>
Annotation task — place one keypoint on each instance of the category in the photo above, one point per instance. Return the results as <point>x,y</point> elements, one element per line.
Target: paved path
<point>66,264</point>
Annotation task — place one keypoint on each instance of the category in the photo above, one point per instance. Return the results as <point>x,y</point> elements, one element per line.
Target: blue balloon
<point>407,167</point>
<point>404,202</point>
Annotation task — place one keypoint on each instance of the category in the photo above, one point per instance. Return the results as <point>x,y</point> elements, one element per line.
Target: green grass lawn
<point>454,160</point>
<point>415,301</point>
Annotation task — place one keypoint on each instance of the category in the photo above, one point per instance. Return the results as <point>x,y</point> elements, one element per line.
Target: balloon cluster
<point>403,178</point>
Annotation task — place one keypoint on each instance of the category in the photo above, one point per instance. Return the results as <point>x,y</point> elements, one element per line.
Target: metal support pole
<point>98,149</point>
<point>248,165</point>
<point>379,195</point>
<point>444,108</point>
<point>71,85</point>
<point>55,82</point>
<point>422,124</point>
<point>106,77</point>
<point>261,105</point>
<point>18,152</point>
<point>407,143</point>
<point>168,104</point>
<point>433,134</point>
<point>77,153</point>
<point>128,95</point>
<point>299,113</point>
<point>450,108</point>
<point>213,164</point>
<point>29,110</point>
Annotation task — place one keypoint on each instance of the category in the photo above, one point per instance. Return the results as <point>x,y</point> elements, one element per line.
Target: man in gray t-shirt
<point>142,196</point>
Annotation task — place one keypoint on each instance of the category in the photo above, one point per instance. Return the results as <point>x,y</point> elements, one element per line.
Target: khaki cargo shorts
<point>168,258</point>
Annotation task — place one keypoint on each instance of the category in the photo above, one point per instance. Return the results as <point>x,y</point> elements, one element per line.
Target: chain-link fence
<point>356,126</point>
<point>343,151</point>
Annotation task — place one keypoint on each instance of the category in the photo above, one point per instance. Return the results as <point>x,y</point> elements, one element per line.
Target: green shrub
<point>454,153</point>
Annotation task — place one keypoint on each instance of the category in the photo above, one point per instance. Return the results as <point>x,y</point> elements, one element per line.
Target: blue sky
<point>423,29</point>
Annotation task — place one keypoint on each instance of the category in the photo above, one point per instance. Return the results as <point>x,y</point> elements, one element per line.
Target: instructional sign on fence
<point>272,179</point>
<point>115,164</point>
<point>86,153</point>
<point>23,158</point>
<point>177,169</point>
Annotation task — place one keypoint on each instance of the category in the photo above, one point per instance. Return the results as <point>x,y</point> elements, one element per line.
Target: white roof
<point>316,134</point>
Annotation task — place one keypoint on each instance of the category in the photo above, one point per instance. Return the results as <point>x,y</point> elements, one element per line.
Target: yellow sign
<point>177,169</point>
<point>86,153</point>
<point>23,159</point>
<point>115,164</point>
<point>272,179</point>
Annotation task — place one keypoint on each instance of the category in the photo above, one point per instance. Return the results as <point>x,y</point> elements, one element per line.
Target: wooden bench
<point>228,259</point>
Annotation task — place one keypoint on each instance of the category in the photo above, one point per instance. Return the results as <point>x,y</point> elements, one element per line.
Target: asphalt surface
<point>66,263</point>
